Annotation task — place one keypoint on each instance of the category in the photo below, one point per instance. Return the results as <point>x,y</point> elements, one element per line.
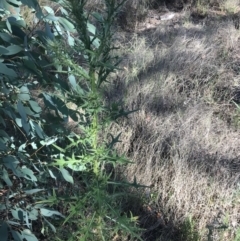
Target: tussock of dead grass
<point>231,6</point>
<point>29,15</point>
<point>182,140</point>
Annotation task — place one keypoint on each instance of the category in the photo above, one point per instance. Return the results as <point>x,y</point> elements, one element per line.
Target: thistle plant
<point>61,170</point>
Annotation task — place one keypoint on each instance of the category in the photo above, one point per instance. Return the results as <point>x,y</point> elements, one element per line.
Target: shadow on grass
<point>163,105</point>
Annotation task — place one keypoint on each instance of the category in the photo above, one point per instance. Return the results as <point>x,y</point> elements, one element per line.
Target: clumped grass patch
<point>139,57</point>
<point>231,6</point>
<point>29,14</point>
<point>184,140</point>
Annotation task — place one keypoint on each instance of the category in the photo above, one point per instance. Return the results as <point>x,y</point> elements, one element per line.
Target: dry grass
<point>29,15</point>
<point>184,141</point>
<point>231,6</point>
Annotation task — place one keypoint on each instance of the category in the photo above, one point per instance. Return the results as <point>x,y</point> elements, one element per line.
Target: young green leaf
<point>66,175</point>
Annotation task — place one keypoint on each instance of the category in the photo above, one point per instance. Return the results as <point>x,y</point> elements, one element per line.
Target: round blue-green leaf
<point>21,111</point>
<point>6,178</point>
<point>4,232</point>
<point>39,130</point>
<point>12,223</point>
<point>28,174</point>
<point>48,9</point>
<point>19,122</point>
<point>5,70</point>
<point>49,32</point>
<point>24,94</point>
<point>15,2</point>
<point>26,126</point>
<point>72,81</point>
<point>10,113</point>
<point>17,31</point>
<point>21,23</point>
<point>91,28</point>
<point>10,162</point>
<point>28,63</point>
<point>63,11</point>
<point>33,214</point>
<point>16,235</point>
<point>13,49</point>
<point>8,26</point>
<point>9,39</point>
<point>96,42</point>
<point>29,111</point>
<point>2,121</point>
<point>4,134</point>
<point>2,146</point>
<point>51,17</point>
<point>18,213</point>
<point>49,101</point>
<point>23,97</point>
<point>3,50</point>
<point>28,235</point>
<point>6,6</point>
